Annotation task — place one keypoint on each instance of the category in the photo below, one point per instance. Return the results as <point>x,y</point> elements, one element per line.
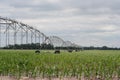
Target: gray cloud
<point>86,22</point>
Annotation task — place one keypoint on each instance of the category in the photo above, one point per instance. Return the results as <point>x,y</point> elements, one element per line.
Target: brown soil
<point>38,78</point>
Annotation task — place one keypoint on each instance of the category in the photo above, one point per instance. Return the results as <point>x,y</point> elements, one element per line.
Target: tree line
<point>51,47</point>
<point>101,48</point>
<point>30,46</point>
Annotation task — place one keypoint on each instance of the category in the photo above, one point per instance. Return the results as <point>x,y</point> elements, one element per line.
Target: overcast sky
<point>85,22</point>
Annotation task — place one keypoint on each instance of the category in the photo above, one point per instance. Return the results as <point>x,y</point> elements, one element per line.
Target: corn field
<point>103,64</point>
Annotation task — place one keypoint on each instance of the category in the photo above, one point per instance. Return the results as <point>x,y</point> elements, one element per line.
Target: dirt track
<point>38,78</point>
<point>26,78</point>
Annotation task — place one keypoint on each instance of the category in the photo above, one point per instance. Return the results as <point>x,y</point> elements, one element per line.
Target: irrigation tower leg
<point>31,37</point>
<point>0,36</point>
<point>6,32</point>
<point>26,36</point>
<point>35,36</point>
<point>21,36</point>
<point>15,34</point>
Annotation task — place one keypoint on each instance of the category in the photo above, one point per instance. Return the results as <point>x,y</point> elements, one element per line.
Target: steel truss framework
<point>13,32</point>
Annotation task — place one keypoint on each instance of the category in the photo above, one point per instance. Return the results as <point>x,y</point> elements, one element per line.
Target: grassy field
<point>91,63</point>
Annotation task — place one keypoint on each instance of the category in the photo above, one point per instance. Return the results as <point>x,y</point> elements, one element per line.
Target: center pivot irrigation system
<point>13,32</point>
